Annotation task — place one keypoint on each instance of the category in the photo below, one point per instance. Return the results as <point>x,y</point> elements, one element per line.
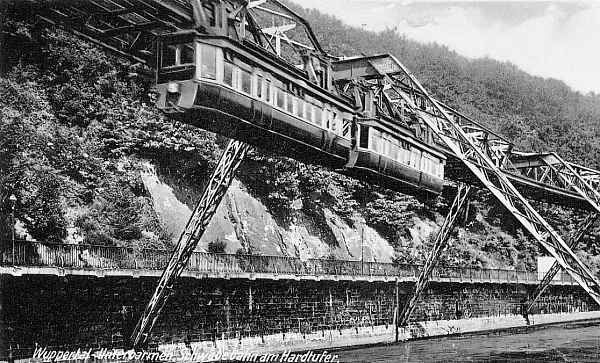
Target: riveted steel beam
<point>441,240</point>
<point>580,232</point>
<point>211,197</point>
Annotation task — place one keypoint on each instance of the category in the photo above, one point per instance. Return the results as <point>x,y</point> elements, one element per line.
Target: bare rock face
<point>170,211</point>
<point>245,225</point>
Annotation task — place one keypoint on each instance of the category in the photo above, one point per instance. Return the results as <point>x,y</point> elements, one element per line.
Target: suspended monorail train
<point>238,90</point>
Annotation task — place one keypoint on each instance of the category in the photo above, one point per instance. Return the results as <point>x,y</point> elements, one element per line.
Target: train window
<point>425,165</point>
<point>294,102</point>
<point>268,91</point>
<point>401,154</point>
<point>435,166</point>
<point>318,116</point>
<point>259,87</point>
<point>388,146</point>
<point>290,103</point>
<point>406,156</point>
<point>280,96</point>
<point>379,144</point>
<point>300,108</point>
<point>228,74</point>
<point>374,140</point>
<point>308,111</point>
<point>395,152</point>
<point>208,55</point>
<point>364,136</point>
<point>187,55</point>
<point>415,158</point>
<point>169,56</point>
<point>246,81</point>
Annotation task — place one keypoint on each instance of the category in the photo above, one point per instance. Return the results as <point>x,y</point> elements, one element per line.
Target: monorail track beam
<point>573,179</point>
<point>211,197</point>
<point>441,239</point>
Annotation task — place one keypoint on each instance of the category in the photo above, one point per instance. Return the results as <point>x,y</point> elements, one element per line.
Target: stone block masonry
<point>259,315</point>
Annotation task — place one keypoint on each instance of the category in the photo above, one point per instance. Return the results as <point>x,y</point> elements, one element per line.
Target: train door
<point>355,136</point>
<point>328,137</point>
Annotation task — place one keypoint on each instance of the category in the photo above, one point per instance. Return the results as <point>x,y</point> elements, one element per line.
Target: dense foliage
<point>74,120</point>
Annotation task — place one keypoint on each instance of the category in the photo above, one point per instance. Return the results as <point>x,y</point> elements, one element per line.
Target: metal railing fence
<point>38,254</point>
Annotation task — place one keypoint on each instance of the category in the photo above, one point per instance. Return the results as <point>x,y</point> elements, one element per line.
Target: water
<point>566,343</point>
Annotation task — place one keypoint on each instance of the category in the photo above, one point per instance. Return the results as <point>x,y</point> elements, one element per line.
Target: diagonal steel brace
<point>205,209</point>
<point>579,233</point>
<point>441,239</point>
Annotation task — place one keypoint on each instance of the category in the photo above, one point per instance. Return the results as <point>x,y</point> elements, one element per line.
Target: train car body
<point>238,90</point>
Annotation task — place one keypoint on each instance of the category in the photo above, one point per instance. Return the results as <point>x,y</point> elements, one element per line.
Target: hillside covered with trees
<point>77,126</point>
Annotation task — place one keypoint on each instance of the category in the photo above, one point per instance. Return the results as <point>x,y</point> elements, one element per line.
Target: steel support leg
<point>579,233</point>
<point>438,246</point>
<point>209,201</point>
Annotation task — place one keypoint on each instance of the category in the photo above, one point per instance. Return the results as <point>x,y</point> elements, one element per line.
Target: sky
<point>558,39</point>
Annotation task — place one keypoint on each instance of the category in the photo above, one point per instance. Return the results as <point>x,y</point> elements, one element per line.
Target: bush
<point>217,246</point>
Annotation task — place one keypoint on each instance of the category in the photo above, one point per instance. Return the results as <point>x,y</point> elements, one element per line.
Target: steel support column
<point>578,234</point>
<point>209,201</point>
<point>438,246</point>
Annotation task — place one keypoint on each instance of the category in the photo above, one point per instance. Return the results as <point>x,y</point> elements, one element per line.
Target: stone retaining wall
<point>83,311</point>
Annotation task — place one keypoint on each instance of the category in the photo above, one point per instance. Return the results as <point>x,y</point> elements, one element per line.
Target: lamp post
<point>13,201</point>
<point>362,246</point>
<point>362,223</point>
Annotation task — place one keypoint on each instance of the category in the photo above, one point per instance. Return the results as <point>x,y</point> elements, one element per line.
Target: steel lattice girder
<point>129,28</point>
<point>441,239</point>
<point>581,230</point>
<point>211,197</point>
<point>551,169</point>
<point>591,176</point>
<point>450,132</point>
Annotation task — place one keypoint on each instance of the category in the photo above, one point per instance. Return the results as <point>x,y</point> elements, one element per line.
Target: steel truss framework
<point>441,239</point>
<point>550,169</point>
<point>582,229</point>
<point>130,28</point>
<point>553,170</point>
<point>211,197</point>
<point>483,163</point>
